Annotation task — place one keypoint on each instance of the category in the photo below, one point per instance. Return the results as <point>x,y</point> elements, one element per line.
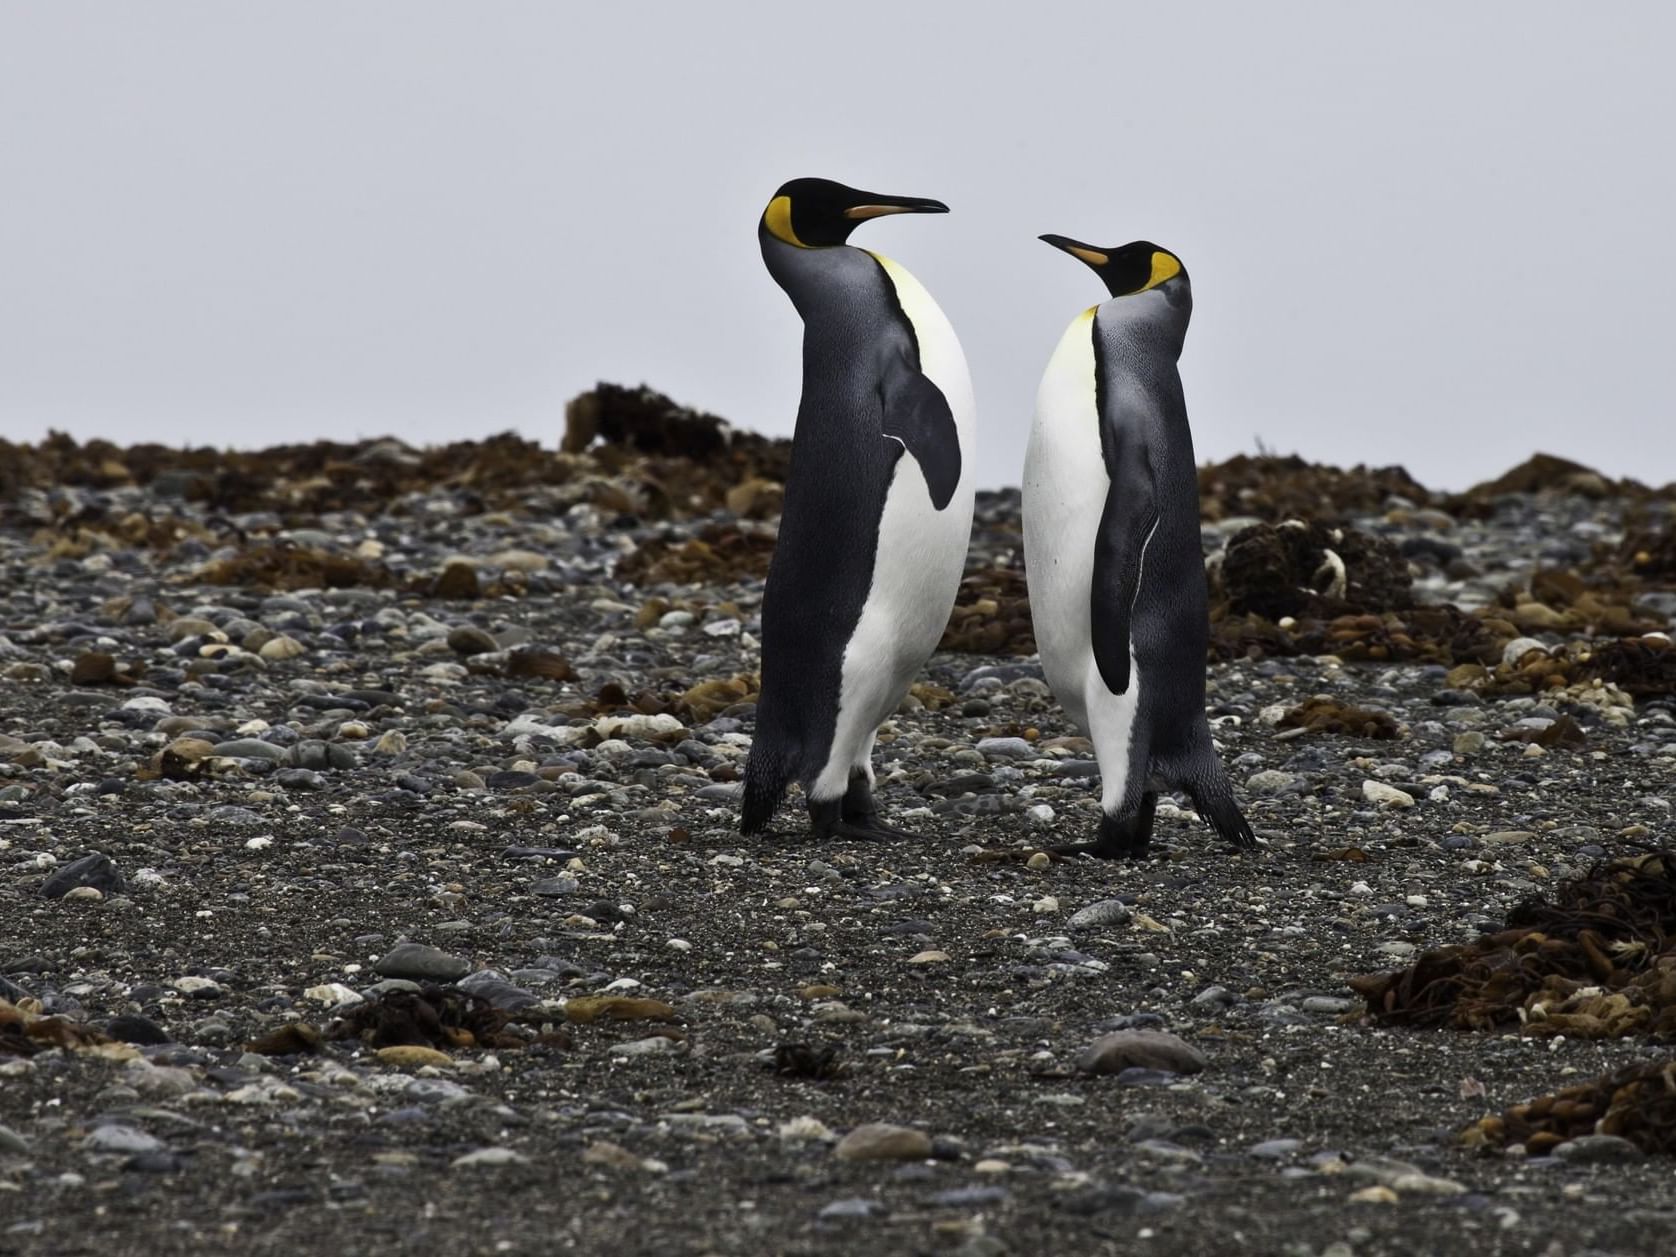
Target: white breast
<point>1065,487</point>
<point>921,554</point>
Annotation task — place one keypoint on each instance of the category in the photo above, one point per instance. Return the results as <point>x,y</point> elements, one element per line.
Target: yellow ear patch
<point>1164,267</point>
<point>777,217</point>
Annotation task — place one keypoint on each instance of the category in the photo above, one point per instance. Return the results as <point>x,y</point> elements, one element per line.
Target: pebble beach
<point>370,882</point>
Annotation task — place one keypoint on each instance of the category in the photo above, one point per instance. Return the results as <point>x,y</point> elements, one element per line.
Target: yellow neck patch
<point>1163,267</point>
<point>777,217</point>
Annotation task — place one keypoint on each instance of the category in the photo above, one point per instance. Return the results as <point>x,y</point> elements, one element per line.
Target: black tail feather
<point>1215,800</point>
<point>767,774</point>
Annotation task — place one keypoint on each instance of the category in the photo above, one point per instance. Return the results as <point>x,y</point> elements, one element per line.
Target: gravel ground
<point>290,785</point>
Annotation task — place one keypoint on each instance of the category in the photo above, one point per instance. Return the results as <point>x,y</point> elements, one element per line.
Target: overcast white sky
<point>1434,234</point>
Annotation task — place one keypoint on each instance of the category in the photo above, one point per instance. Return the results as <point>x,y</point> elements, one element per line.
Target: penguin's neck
<point>816,279</point>
<point>1157,317</point>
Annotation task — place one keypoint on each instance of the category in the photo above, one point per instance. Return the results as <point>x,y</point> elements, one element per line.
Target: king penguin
<point>1112,554</point>
<point>877,514</point>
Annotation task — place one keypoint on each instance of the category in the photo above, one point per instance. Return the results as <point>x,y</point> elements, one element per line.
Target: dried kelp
<point>1599,961</point>
<point>1297,569</point>
<point>720,553</point>
<point>991,614</point>
<point>1277,488</point>
<point>1637,1103</point>
<point>1324,714</point>
<point>282,566</point>
<point>434,1016</point>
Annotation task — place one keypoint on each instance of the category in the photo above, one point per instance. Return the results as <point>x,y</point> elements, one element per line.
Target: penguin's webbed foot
<point>859,809</point>
<point>1129,838</point>
<point>834,818</point>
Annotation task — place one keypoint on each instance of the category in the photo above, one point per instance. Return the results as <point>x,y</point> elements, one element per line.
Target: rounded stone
<point>881,1141</point>
<point>94,871</point>
<point>419,961</point>
<point>1142,1049</point>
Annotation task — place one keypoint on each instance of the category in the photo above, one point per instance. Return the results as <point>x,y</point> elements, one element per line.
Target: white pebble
<point>331,994</point>
<point>799,1129</point>
<point>1382,795</point>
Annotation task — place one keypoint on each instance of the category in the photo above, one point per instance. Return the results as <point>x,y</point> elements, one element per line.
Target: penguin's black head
<point>814,213</point>
<point>1127,269</point>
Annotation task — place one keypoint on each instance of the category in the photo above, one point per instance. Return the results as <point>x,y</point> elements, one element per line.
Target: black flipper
<point>1126,526</point>
<point>917,414</point>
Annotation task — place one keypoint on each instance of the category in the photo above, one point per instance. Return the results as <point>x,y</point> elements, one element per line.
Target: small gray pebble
<point>1598,1150</point>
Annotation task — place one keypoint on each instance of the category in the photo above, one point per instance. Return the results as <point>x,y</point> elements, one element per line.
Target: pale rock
<point>1269,782</point>
<point>1382,795</point>
<point>280,648</point>
<point>332,994</point>
<point>1518,648</point>
<point>803,1129</point>
<point>1101,913</point>
<point>1146,1049</point>
<point>881,1141</point>
<point>488,1158</point>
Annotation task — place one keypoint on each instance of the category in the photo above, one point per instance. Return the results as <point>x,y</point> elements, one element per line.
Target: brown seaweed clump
<point>1643,667</point>
<point>1649,546</point>
<point>282,566</point>
<point>629,450</point>
<point>25,1031</point>
<point>1544,473</point>
<point>807,1060</point>
<point>991,614</point>
<point>434,1016</point>
<point>1441,634</point>
<point>1561,601</point>
<point>1309,569</point>
<point>704,461</point>
<point>1598,962</point>
<point>443,1018</point>
<point>709,699</point>
<point>1324,714</point>
<point>719,554</point>
<point>1637,1103</point>
<point>1275,488</point>
<point>1605,675</point>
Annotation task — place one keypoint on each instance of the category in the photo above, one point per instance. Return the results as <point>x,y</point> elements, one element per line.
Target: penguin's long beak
<point>879,206</point>
<point>1077,249</point>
